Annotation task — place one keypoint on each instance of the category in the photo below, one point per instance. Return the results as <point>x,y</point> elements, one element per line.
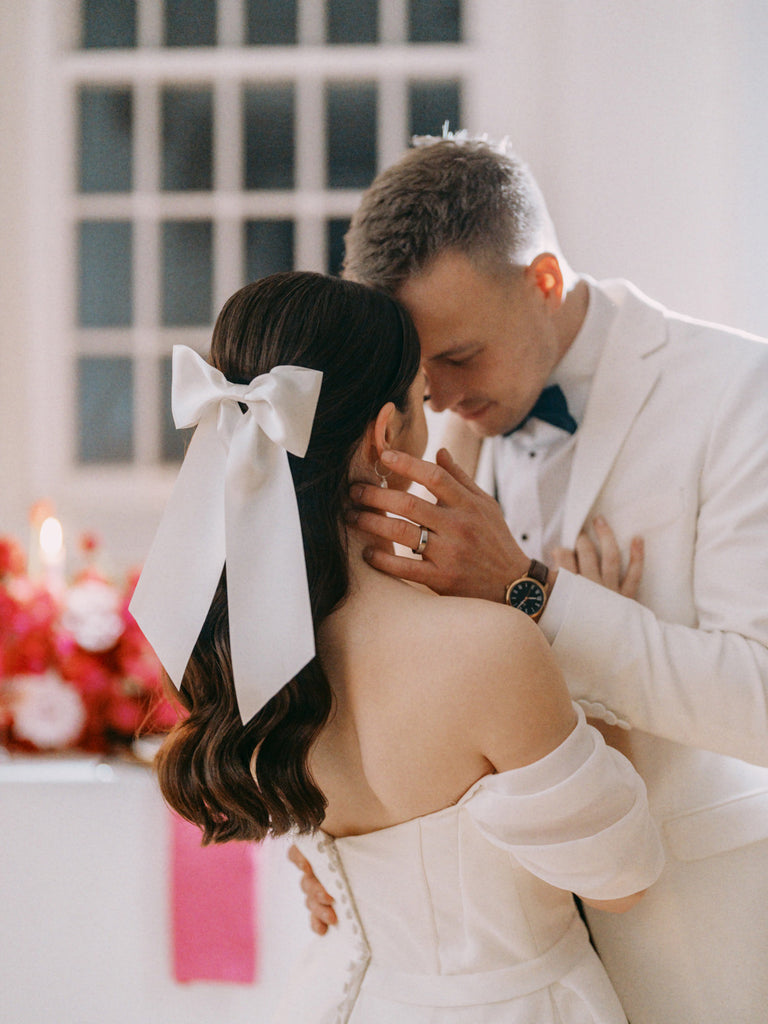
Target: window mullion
<point>149,23</point>
<point>146,137</point>
<point>392,128</point>
<point>310,171</point>
<point>311,23</point>
<point>146,244</point>
<point>146,343</point>
<point>393,21</point>
<point>228,177</point>
<point>146,284</point>
<point>231,22</point>
<point>146,410</point>
<point>227,135</point>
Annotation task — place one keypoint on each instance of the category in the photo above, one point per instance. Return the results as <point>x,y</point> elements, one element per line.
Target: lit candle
<point>38,513</point>
<point>52,554</point>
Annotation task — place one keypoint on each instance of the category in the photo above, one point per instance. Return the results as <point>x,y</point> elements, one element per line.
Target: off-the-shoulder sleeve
<point>578,818</point>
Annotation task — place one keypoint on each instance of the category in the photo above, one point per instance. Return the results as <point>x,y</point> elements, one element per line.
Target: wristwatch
<point>529,593</point>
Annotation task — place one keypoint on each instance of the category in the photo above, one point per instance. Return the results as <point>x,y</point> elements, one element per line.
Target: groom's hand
<point>469,552</point>
<point>601,560</point>
<point>318,902</point>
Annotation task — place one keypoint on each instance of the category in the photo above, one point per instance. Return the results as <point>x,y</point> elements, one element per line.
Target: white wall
<point>647,127</point>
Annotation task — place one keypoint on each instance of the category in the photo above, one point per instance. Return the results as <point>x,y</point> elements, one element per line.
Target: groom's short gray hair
<point>458,193</point>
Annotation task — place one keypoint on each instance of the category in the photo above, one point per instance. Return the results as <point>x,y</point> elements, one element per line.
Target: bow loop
<point>283,400</point>
<point>234,504</point>
<point>198,388</point>
<point>283,403</point>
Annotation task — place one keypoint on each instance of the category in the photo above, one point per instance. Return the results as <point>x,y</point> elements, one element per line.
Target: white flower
<point>91,615</point>
<point>47,711</point>
<point>501,146</point>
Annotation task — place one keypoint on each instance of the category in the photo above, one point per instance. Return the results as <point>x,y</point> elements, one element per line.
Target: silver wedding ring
<point>423,538</point>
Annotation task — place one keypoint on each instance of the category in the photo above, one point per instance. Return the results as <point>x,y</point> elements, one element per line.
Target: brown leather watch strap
<point>538,571</point>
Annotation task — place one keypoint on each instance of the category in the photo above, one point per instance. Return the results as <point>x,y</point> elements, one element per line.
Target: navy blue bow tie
<point>551,407</point>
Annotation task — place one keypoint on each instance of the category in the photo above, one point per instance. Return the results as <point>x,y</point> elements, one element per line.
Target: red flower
<point>89,648</point>
<point>12,559</point>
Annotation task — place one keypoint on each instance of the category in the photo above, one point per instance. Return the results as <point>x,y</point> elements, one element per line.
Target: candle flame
<point>51,536</point>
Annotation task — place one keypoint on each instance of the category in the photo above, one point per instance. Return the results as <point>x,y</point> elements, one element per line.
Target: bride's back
<point>427,694</point>
<point>430,694</point>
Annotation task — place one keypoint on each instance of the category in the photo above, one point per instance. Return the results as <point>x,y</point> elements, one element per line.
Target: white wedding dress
<point>465,916</point>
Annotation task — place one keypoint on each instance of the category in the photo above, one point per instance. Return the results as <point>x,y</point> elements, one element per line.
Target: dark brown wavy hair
<point>244,782</point>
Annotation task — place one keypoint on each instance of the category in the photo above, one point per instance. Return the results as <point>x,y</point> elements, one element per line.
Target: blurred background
<point>157,154</point>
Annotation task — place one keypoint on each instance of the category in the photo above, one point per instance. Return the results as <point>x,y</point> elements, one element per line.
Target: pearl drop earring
<point>382,476</point>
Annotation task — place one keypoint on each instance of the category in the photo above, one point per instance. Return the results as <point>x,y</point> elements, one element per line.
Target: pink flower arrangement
<point>75,671</point>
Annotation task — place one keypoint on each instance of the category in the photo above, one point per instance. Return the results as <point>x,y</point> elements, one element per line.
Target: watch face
<point>528,596</point>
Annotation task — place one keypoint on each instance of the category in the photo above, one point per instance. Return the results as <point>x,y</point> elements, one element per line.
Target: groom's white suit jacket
<point>674,446</point>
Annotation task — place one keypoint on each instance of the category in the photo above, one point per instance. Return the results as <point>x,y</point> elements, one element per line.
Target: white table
<point>84,933</point>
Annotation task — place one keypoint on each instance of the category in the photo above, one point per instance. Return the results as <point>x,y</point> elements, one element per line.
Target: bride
<point>423,751</point>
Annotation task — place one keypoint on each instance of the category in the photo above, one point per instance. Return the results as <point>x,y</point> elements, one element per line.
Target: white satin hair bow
<point>234,502</point>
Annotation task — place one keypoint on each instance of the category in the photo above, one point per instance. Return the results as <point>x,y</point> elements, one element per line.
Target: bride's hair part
<point>244,782</point>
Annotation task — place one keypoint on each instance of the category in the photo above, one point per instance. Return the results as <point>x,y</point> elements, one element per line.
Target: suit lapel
<point>627,372</point>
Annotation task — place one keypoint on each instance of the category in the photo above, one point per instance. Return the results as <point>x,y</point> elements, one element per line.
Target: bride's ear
<point>384,430</point>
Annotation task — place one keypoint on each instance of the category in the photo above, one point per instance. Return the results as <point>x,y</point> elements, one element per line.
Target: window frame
<point>61,70</point>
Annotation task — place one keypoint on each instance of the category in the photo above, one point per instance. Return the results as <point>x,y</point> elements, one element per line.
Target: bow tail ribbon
<point>270,615</point>
<point>234,503</point>
<point>211,518</point>
<point>182,569</point>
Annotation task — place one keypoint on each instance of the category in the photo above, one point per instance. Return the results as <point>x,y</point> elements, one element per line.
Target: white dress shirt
<point>532,466</point>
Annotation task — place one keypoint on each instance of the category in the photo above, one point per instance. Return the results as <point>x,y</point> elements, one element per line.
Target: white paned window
<point>209,143</point>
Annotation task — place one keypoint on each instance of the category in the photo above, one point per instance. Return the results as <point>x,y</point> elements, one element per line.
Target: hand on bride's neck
<point>357,543</point>
<point>362,576</point>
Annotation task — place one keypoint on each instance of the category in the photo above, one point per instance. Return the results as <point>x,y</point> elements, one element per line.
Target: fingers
<point>601,562</point>
<point>321,916</point>
<point>402,504</point>
<point>446,480</point>
<point>447,462</point>
<point>398,531</point>
<point>588,559</point>
<point>469,552</point>
<point>295,856</point>
<point>564,558</point>
<point>610,556</point>
<point>403,567</point>
<point>318,902</point>
<point>633,575</point>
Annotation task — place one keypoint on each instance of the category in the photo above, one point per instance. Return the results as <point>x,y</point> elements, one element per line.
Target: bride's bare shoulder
<point>464,627</point>
<point>520,707</point>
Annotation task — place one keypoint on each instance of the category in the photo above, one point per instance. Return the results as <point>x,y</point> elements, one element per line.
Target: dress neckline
<point>465,796</point>
<point>523,771</point>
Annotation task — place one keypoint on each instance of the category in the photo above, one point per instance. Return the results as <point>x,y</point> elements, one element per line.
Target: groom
<point>664,435</point>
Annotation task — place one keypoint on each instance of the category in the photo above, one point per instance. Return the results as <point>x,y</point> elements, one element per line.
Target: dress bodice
<point>475,900</point>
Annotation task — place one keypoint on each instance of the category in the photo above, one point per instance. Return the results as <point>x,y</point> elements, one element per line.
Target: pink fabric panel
<point>212,907</point>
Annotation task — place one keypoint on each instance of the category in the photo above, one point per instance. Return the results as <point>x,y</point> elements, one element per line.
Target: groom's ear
<point>544,273</point>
